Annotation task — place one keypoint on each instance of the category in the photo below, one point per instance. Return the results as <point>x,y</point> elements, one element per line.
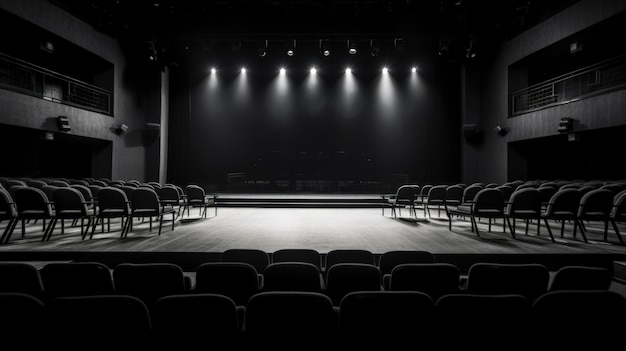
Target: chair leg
<point>582,230</point>
<point>549,230</point>
<point>475,225</point>
<point>511,228</point>
<point>619,236</point>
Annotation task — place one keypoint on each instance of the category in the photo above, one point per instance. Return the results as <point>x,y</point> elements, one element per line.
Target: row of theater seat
<point>308,320</point>
<point>344,299</point>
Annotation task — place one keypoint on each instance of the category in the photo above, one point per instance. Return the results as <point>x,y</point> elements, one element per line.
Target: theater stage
<point>320,222</point>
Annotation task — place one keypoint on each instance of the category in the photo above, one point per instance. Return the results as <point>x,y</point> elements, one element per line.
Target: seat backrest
<point>527,279</point>
<point>195,193</point>
<point>598,201</point>
<point>87,195</point>
<point>169,194</point>
<point>343,278</point>
<point>259,259</point>
<point>437,195</point>
<point>469,193</point>
<point>290,318</point>
<point>565,199</point>
<point>292,276</point>
<point>463,318</point>
<point>434,279</point>
<point>507,191</point>
<point>68,199</point>
<point>348,256</point>
<point>76,279</point>
<point>489,201</point>
<point>390,259</point>
<point>21,277</point>
<point>581,278</point>
<point>525,199</point>
<point>144,199</point>
<point>298,255</point>
<point>237,280</point>
<point>113,198</point>
<point>35,199</point>
<point>148,281</point>
<point>454,195</point>
<point>178,320</point>
<point>405,194</point>
<point>23,321</point>
<point>400,318</point>
<point>618,211</point>
<point>8,208</point>
<point>557,313</point>
<point>124,318</point>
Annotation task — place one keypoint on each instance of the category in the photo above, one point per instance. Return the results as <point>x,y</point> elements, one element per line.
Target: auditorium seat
<point>527,279</point>
<point>484,322</point>
<point>23,322</point>
<point>102,321</point>
<point>21,277</point>
<point>344,278</point>
<point>76,279</point>
<point>386,320</point>
<point>149,281</point>
<point>236,280</point>
<point>292,276</point>
<point>581,278</point>
<point>298,255</point>
<point>186,320</point>
<point>290,320</point>
<point>390,259</point>
<point>434,279</point>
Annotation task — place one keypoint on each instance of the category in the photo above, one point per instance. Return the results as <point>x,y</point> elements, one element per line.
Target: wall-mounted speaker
<point>122,128</point>
<point>64,124</point>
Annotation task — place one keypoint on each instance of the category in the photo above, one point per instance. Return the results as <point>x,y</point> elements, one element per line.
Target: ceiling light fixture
<point>324,47</point>
<point>374,47</point>
<point>262,48</point>
<point>352,47</point>
<point>291,47</point>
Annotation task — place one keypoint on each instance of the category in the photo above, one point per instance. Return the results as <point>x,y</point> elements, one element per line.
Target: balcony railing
<point>22,77</point>
<point>597,79</point>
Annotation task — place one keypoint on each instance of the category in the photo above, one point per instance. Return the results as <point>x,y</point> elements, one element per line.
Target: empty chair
<point>76,279</point>
<point>436,199</point>
<point>433,279</point>
<point>390,259</point>
<point>196,197</point>
<point>236,280</point>
<point>488,203</point>
<point>76,321</point>
<point>292,276</point>
<point>618,211</point>
<point>149,281</point>
<point>454,198</point>
<point>524,204</point>
<point>23,321</point>
<point>8,211</point>
<point>404,198</point>
<point>386,319</point>
<point>259,259</point>
<point>422,197</point>
<point>344,278</point>
<point>290,320</point>
<point>21,277</point>
<point>348,256</point>
<point>527,279</point>
<point>581,278</point>
<point>596,205</point>
<point>145,203</point>
<point>33,204</point>
<point>562,207</point>
<point>485,322</point>
<point>169,198</point>
<point>178,320</point>
<point>69,203</point>
<point>579,319</point>
<point>112,204</point>
<point>298,255</point>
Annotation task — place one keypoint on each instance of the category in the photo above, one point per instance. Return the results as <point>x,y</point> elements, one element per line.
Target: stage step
<point>301,200</point>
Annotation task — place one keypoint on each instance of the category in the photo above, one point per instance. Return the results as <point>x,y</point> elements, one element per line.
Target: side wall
<point>489,162</point>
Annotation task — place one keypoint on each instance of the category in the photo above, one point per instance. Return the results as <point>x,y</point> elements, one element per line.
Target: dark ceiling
<point>170,23</point>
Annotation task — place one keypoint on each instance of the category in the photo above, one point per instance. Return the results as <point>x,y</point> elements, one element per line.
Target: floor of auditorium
<point>323,229</point>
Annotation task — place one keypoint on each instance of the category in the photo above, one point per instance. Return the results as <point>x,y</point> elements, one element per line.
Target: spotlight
<point>414,69</point>
<point>262,48</point>
<point>243,70</point>
<point>291,47</point>
<point>374,48</point>
<point>282,70</point>
<point>385,70</point>
<point>313,70</point>
<point>324,47</point>
<point>348,70</point>
<point>351,47</point>
<point>213,70</point>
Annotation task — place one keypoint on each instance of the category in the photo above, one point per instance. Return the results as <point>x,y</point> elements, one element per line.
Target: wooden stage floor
<point>320,228</point>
